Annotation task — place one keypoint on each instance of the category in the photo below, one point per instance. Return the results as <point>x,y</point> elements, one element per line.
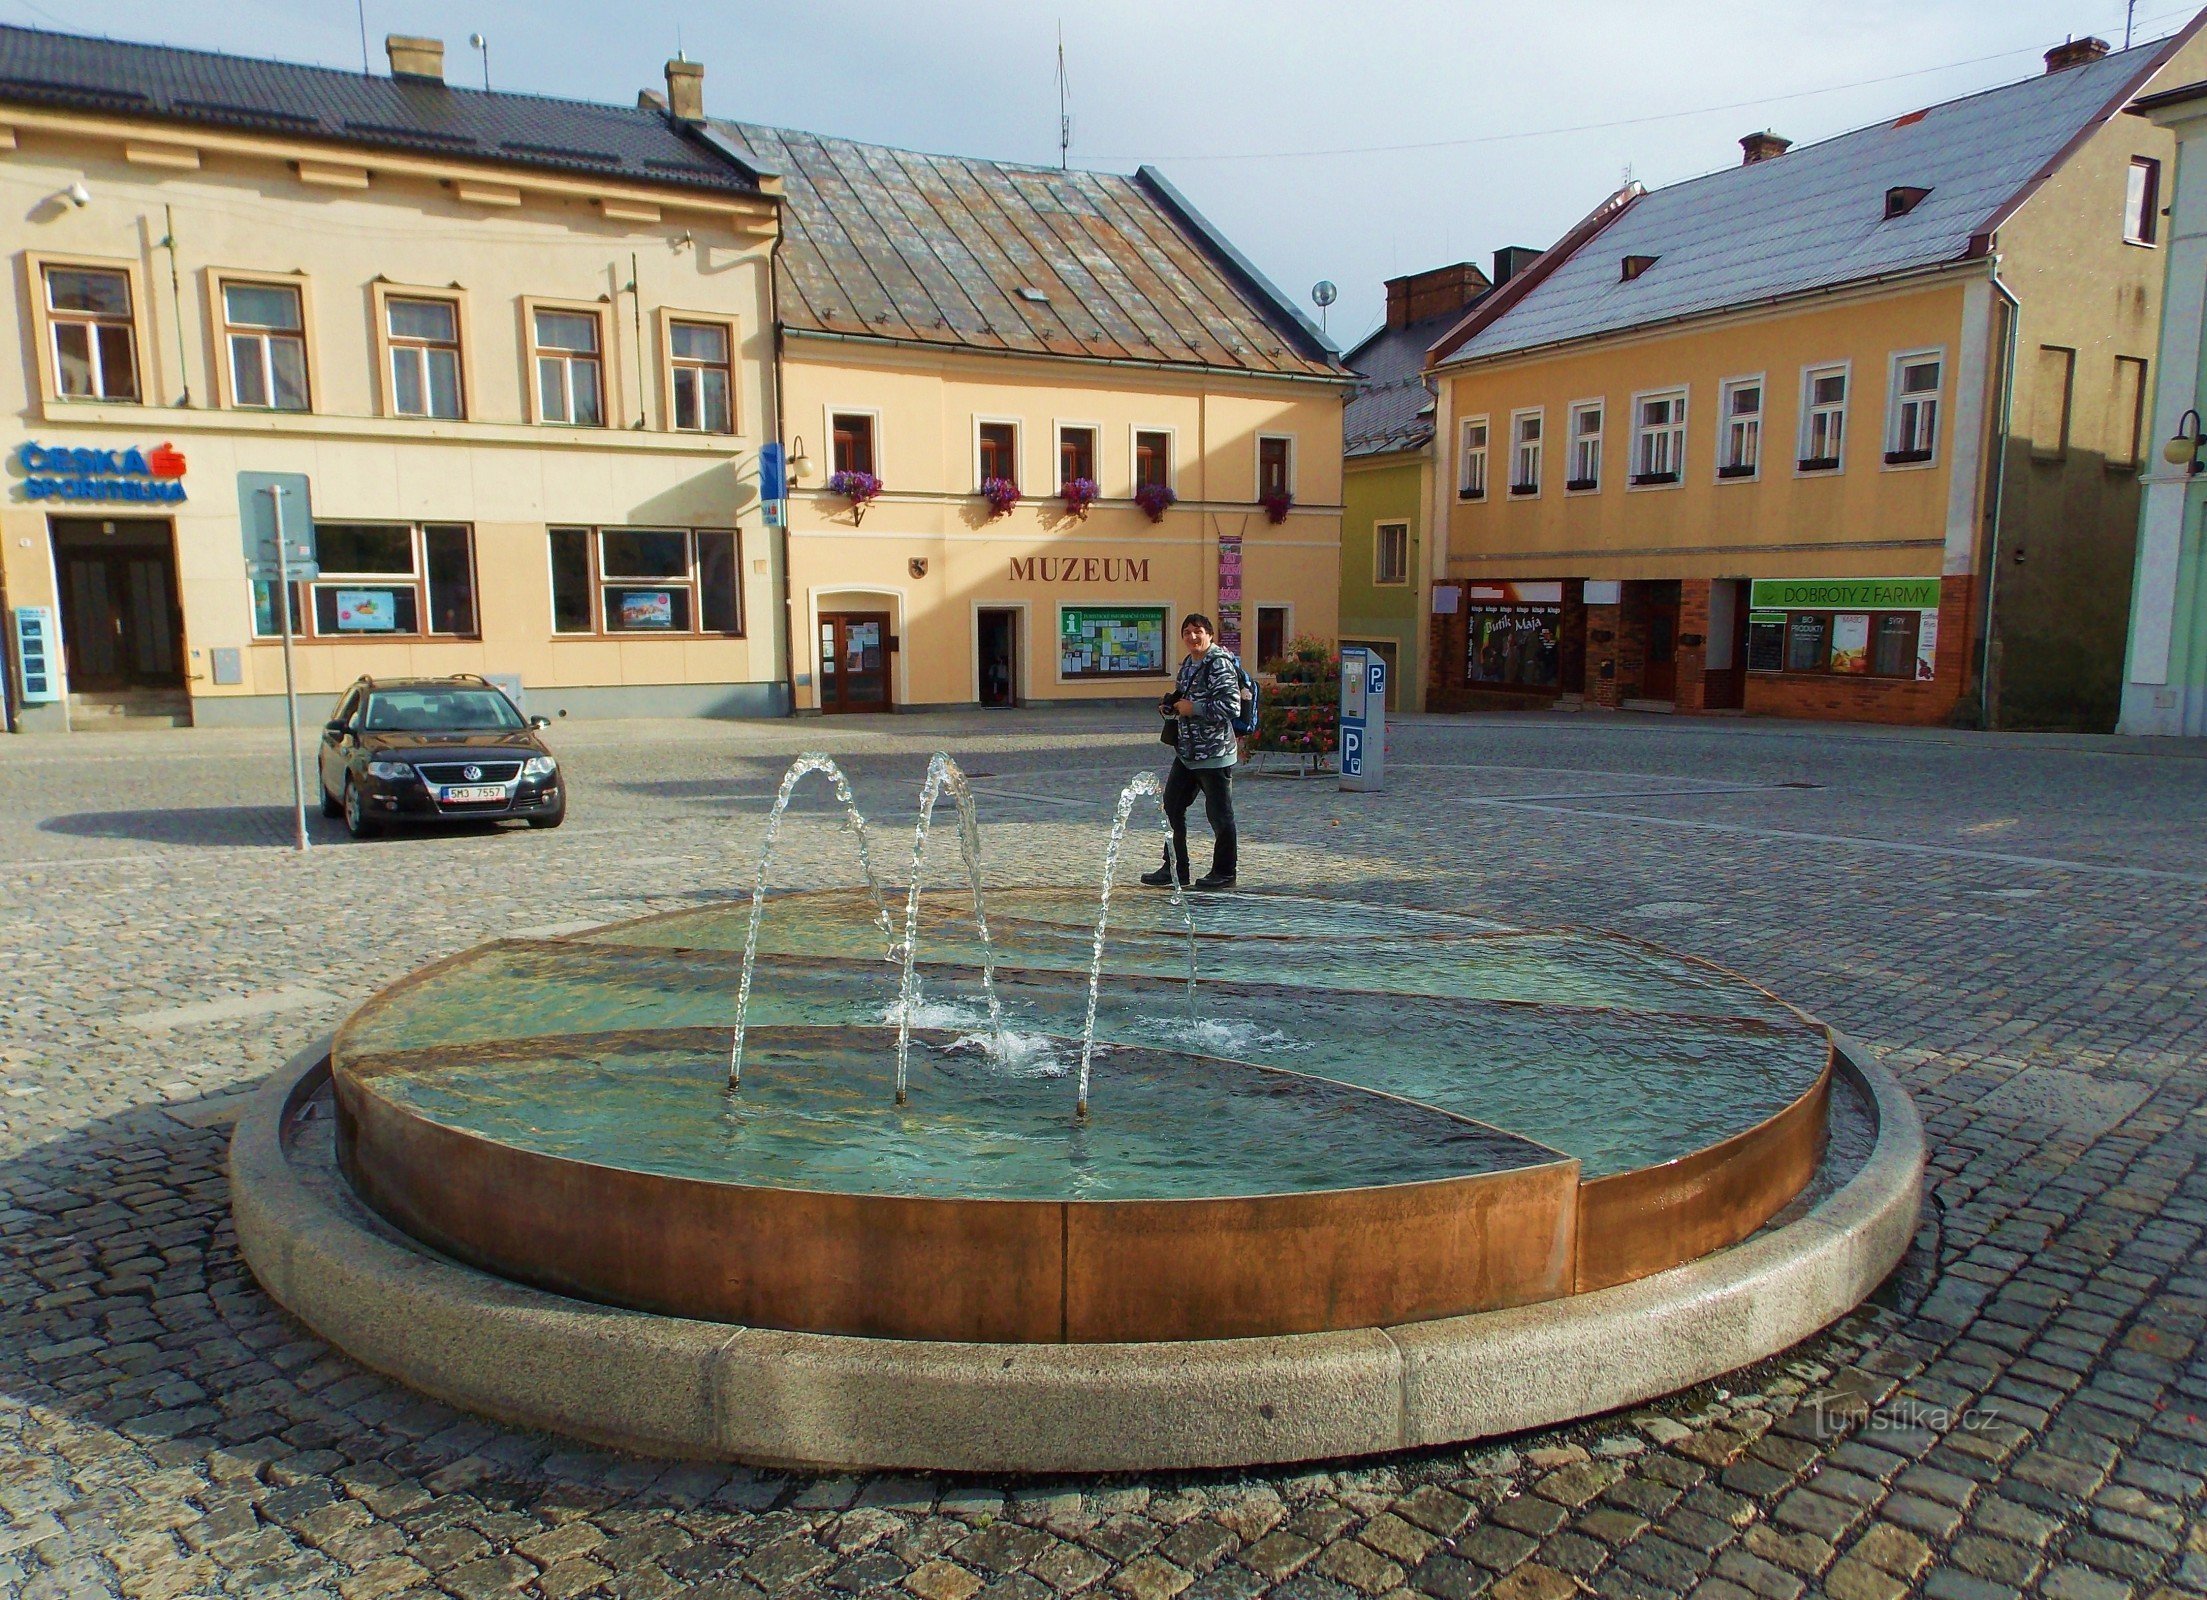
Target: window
<point>1586,446</point>
<point>2142,201</point>
<point>853,441</point>
<point>569,374</point>
<point>1272,622</point>
<point>1740,410</point>
<point>1912,432</point>
<point>265,329</point>
<point>454,709</point>
<point>1391,553</point>
<point>1823,418</point>
<point>1275,467</point>
<point>425,357</point>
<point>1076,455</point>
<point>1152,459</point>
<point>2052,384</point>
<point>381,580</point>
<point>646,580</point>
<point>1659,439</point>
<point>1525,452</point>
<point>94,336</point>
<point>1471,479</point>
<point>2126,414</point>
<point>1871,644</point>
<point>999,451</point>
<point>703,385</point>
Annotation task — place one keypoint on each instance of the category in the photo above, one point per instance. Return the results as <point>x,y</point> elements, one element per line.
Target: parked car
<point>436,750</point>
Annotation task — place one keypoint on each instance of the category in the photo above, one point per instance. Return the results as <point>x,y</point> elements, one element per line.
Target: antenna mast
<point>1065,121</point>
<point>2130,21</point>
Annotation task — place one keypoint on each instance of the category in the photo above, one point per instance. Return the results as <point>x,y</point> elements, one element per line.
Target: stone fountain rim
<point>668,1386</point>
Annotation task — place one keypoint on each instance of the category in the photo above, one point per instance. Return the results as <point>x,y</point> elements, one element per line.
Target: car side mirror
<point>333,727</point>
<point>540,722</point>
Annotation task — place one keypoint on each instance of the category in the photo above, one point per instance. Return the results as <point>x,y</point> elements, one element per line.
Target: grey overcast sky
<point>1329,138</point>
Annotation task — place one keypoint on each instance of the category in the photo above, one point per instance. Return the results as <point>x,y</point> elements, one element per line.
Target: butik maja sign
<point>65,472</point>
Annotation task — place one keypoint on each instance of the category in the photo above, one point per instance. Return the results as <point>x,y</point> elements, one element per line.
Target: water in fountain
<point>1144,783</point>
<point>810,762</point>
<point>943,773</point>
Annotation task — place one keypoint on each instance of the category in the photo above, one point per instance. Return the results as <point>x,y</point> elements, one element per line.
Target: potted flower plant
<point>1079,494</point>
<point>1002,495</point>
<point>1276,505</point>
<point>859,488</point>
<point>1156,499</point>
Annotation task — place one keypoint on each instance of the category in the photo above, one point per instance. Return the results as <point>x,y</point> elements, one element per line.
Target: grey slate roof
<point>936,249</point>
<point>1813,218</point>
<point>1393,408</point>
<point>204,89</point>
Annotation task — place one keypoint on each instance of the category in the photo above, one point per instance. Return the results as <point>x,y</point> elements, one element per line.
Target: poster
<point>366,611</point>
<point>1766,641</point>
<point>1111,641</point>
<point>1927,646</point>
<point>647,608</point>
<point>1229,591</point>
<point>1514,646</point>
<point>1851,642</point>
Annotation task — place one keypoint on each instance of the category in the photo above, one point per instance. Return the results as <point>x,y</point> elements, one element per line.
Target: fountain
<point>1019,1195</point>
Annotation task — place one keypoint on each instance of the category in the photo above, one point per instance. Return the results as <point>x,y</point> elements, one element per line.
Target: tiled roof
<point>1814,218</point>
<point>948,250</point>
<point>241,94</point>
<point>1393,408</point>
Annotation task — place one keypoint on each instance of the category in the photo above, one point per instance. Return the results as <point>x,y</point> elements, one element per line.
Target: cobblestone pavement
<point>2014,923</point>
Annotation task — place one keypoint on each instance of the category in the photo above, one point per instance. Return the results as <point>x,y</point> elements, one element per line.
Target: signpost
<point>276,551</point>
<point>1363,718</point>
<point>773,483</point>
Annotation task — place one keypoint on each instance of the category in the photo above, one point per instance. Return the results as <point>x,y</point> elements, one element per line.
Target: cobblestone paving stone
<point>2015,924</point>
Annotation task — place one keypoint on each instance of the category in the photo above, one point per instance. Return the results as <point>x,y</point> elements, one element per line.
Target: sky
<point>1327,139</point>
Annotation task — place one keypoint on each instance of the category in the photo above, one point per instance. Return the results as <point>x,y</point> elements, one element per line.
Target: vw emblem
<point>471,773</point>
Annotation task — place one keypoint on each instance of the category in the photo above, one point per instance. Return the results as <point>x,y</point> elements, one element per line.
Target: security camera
<point>79,195</point>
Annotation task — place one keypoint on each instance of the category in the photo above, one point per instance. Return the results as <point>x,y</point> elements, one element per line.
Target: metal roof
<point>1393,408</point>
<point>984,255</point>
<point>1814,218</point>
<point>244,95</point>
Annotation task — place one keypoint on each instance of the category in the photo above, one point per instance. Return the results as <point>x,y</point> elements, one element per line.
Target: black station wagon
<point>436,750</point>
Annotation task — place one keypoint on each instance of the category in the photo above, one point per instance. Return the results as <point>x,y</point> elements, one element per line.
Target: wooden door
<point>1659,675</point>
<point>120,626</point>
<point>854,661</point>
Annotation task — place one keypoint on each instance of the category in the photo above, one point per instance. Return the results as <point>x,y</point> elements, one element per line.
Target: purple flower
<point>857,487</point>
<point>1079,494</point>
<point>1156,499</point>
<point>1002,495</point>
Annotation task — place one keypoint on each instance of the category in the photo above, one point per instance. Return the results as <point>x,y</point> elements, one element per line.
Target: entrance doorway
<point>1725,681</point>
<point>997,632</point>
<point>1658,608</point>
<point>854,660</point>
<point>121,629</point>
<point>1271,636</point>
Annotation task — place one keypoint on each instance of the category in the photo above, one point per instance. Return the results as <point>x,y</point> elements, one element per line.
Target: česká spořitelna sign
<point>63,472</point>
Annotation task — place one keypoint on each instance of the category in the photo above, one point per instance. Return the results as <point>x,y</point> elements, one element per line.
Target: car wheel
<point>357,821</point>
<point>331,805</point>
<point>552,821</point>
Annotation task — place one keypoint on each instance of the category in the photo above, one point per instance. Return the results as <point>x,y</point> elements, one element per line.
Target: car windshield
<point>440,710</point>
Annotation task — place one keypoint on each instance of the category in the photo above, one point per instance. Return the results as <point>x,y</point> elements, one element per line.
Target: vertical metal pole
<point>291,683</point>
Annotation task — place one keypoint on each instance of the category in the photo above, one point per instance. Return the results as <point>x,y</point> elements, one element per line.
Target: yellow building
<point>948,322</point>
<point>1783,438</point>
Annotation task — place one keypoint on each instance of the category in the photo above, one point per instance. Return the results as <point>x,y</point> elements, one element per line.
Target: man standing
<point>1205,700</point>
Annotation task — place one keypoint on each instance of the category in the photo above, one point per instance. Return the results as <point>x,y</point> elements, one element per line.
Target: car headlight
<point>539,767</point>
<point>389,769</point>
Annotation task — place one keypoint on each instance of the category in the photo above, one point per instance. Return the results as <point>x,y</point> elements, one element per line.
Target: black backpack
<point>1245,719</point>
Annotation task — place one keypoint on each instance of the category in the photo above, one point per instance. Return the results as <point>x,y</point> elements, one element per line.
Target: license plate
<point>480,791</point>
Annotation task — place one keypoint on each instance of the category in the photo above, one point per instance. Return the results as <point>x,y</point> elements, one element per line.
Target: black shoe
<point>1216,880</point>
<point>1160,879</point>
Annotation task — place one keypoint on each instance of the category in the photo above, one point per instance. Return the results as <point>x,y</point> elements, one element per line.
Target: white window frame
<point>1531,488</point>
<point>2142,222</point>
<point>1380,580</point>
<point>1573,440</point>
<point>694,368</point>
<point>1727,388</point>
<point>1809,375</point>
<point>1676,428</point>
<point>1134,433</point>
<point>405,346</point>
<point>1467,453</point>
<point>828,414</point>
<point>1019,449</point>
<point>600,357</point>
<point>1095,432</point>
<point>1896,402</point>
<point>256,341</point>
<point>1257,462</point>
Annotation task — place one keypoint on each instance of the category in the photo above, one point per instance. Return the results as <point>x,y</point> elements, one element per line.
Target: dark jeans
<point>1217,787</point>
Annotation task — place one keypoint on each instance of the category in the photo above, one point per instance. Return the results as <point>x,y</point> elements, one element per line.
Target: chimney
<point>686,90</point>
<point>1512,259</point>
<point>1764,146</point>
<point>2075,53</point>
<point>1432,294</point>
<point>650,100</point>
<point>415,58</point>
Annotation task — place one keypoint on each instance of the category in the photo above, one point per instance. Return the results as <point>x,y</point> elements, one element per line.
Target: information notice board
<point>1111,641</point>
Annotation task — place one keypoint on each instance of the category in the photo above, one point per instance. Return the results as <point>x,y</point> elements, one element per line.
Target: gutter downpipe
<point>1999,490</point>
<point>781,437</point>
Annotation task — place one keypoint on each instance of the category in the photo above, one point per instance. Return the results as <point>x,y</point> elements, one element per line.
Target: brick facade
<point>1805,694</point>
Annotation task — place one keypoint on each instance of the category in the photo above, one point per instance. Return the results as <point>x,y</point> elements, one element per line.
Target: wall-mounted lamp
<point>80,197</point>
<point>800,464</point>
<point>2183,450</point>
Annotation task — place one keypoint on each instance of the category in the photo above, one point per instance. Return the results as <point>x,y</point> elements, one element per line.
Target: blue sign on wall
<point>773,472</point>
<point>67,472</point>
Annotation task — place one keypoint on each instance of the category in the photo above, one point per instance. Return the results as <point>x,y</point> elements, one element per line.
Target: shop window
<point>570,387</point>
<point>1471,456</point>
<point>2053,384</point>
<point>1152,459</point>
<point>1740,449</point>
<point>1525,445</point>
<point>1076,455</point>
<point>381,580</point>
<point>1586,446</point>
<point>1391,553</point>
<point>703,377</point>
<point>1912,432</point>
<point>264,328</point>
<point>624,581</point>
<point>1275,467</point>
<point>1808,641</point>
<point>854,441</point>
<point>2142,201</point>
<point>1513,635</point>
<point>1870,644</point>
<point>2126,414</point>
<point>424,337</point>
<point>1823,418</point>
<point>95,344</point>
<point>997,452</point>
<point>1659,440</point>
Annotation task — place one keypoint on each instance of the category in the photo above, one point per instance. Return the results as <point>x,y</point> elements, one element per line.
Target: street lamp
<point>2183,450</point>
<point>800,464</point>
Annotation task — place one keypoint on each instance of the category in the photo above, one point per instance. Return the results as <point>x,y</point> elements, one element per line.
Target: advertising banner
<point>1851,642</point>
<point>1844,594</point>
<point>1229,592</point>
<point>366,611</point>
